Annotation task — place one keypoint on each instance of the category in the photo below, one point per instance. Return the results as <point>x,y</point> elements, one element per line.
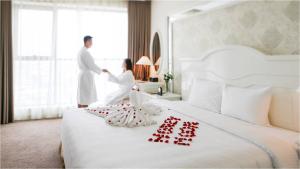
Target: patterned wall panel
<point>272,27</point>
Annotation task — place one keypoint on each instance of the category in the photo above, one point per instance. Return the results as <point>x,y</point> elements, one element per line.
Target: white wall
<point>160,10</point>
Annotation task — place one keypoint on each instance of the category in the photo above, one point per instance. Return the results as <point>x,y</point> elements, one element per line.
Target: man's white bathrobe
<point>86,92</point>
<point>125,82</point>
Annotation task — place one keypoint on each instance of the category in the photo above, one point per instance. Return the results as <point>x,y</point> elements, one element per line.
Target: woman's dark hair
<point>86,38</point>
<point>128,64</point>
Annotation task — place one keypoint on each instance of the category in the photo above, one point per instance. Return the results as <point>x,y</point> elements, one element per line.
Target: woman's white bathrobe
<point>86,92</point>
<point>126,82</point>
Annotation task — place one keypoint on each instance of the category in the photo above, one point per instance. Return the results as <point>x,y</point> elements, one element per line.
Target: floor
<point>31,144</point>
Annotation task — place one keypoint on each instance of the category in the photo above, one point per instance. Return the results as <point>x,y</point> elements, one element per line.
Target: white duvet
<point>220,141</point>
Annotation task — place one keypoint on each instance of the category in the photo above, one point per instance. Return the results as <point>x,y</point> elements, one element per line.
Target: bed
<point>220,142</point>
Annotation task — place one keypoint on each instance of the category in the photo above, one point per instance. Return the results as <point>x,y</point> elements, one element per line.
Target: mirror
<point>156,51</point>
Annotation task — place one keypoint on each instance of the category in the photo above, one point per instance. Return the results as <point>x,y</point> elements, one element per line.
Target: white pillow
<point>285,109</point>
<point>249,104</point>
<point>206,94</point>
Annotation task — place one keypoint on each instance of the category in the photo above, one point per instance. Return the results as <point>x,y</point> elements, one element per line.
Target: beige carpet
<point>31,144</point>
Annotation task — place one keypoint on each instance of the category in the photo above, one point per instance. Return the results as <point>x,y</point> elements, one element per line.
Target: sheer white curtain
<point>47,37</point>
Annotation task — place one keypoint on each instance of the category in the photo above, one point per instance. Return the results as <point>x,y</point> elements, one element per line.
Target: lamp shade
<point>144,60</point>
<point>157,62</point>
<point>153,72</point>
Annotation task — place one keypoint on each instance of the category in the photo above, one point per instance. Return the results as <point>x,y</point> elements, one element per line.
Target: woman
<point>125,81</point>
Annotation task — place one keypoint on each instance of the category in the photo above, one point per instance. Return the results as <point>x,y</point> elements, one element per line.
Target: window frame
<point>54,8</point>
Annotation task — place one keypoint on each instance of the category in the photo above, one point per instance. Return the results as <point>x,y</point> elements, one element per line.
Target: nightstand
<point>149,87</point>
<point>168,96</point>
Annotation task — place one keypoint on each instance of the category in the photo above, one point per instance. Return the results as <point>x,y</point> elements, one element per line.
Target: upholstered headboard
<point>244,66</point>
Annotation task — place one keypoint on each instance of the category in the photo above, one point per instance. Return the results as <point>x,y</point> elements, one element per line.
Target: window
<point>46,46</point>
<point>35,35</point>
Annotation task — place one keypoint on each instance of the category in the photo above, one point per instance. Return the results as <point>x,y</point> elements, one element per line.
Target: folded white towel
<point>130,117</point>
<point>104,111</point>
<point>151,108</point>
<point>123,115</point>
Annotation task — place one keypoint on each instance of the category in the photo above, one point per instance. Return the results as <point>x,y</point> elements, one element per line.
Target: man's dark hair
<point>128,64</point>
<point>86,38</point>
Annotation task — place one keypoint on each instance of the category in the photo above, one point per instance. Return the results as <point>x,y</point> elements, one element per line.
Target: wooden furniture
<point>168,96</point>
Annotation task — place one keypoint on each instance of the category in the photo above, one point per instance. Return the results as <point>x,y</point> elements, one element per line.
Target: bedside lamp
<point>144,61</point>
<point>153,74</point>
<point>157,62</point>
<point>153,71</point>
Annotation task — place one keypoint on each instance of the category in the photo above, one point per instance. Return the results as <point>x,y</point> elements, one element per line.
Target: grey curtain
<point>139,27</point>
<point>6,63</point>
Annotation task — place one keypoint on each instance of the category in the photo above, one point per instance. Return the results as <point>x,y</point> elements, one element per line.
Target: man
<point>86,92</point>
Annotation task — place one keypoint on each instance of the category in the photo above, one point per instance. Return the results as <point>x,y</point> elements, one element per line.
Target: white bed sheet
<point>221,141</point>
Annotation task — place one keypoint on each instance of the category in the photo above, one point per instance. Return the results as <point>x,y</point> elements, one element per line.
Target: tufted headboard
<point>245,66</point>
